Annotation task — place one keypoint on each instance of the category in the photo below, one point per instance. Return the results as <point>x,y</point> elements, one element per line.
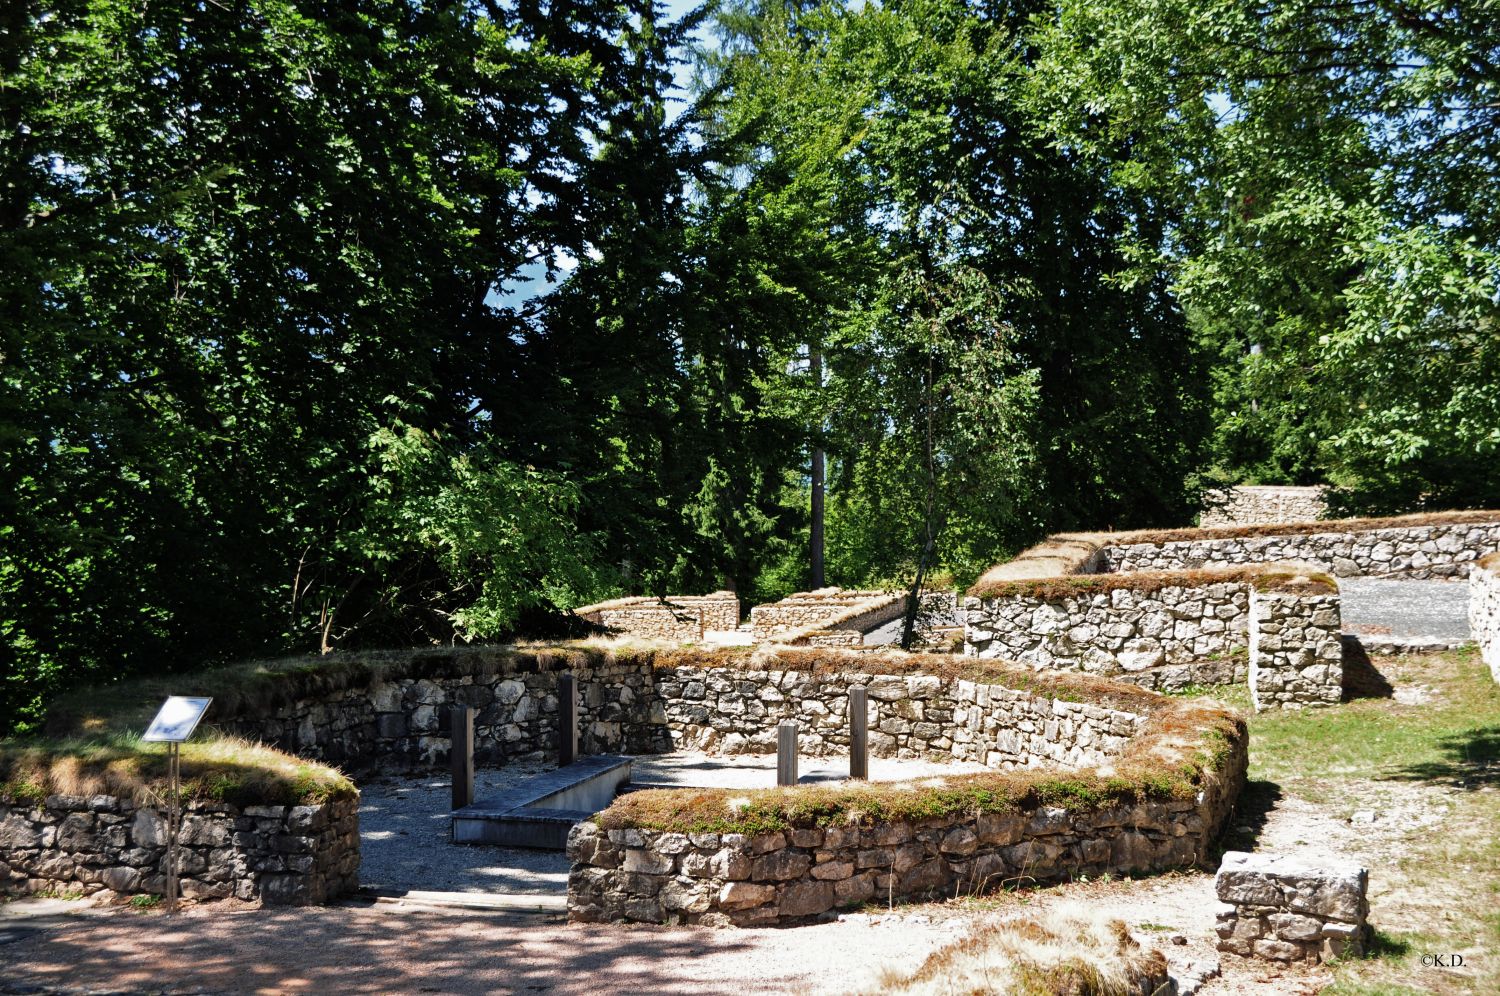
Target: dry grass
<point>1263,577</point>
<point>214,768</point>
<point>1287,529</point>
<point>1065,951</point>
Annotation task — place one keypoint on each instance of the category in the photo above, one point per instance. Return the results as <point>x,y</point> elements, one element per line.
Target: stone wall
<point>734,711</point>
<point>785,877</point>
<point>274,854</point>
<point>1484,610</point>
<point>1296,650</point>
<point>1438,550</point>
<point>1286,910</point>
<point>405,720</point>
<point>1254,504</point>
<point>677,619</point>
<point>1165,638</point>
<point>806,609</point>
<point>848,626</point>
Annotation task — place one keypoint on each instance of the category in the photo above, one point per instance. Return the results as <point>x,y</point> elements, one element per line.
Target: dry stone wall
<point>787,877</point>
<point>1440,550</point>
<point>405,721</point>
<point>1484,610</point>
<point>732,712</point>
<point>1283,909</point>
<point>273,854</point>
<point>1254,504</point>
<point>677,619</point>
<point>1296,650</point>
<point>809,610</point>
<point>1166,639</point>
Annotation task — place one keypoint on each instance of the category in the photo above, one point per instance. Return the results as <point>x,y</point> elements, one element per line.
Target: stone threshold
<point>541,810</point>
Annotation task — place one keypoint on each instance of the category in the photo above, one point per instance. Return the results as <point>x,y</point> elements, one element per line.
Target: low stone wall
<point>1163,638</point>
<point>1484,610</point>
<point>1434,549</point>
<point>733,712</point>
<point>1256,504</point>
<point>1296,650</point>
<point>274,854</point>
<point>1286,910</point>
<point>848,626</point>
<point>405,720</point>
<point>678,618</point>
<point>834,849</point>
<point>806,610</point>
<point>785,877</point>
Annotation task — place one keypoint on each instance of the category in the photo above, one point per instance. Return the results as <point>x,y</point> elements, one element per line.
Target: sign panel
<point>176,719</point>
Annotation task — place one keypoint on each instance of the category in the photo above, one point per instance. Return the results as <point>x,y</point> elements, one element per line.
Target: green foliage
<point>1325,175</point>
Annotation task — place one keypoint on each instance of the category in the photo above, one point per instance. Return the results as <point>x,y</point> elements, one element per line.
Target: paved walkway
<point>405,839</point>
<point>1379,607</point>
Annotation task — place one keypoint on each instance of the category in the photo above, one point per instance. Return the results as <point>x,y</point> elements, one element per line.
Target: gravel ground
<point>405,830</point>
<point>352,949</point>
<point>406,826</point>
<point>1405,608</point>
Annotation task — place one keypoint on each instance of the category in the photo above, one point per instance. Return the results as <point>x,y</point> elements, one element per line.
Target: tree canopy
<point>405,321</point>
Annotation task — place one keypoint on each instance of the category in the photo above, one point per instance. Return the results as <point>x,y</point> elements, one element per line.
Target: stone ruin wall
<point>1262,504</point>
<point>793,875</point>
<point>1484,610</point>
<point>1165,639</point>
<point>1286,910</point>
<point>273,854</point>
<point>1441,550</point>
<point>787,877</point>
<point>677,619</point>
<point>804,610</point>
<point>733,712</point>
<point>1296,650</point>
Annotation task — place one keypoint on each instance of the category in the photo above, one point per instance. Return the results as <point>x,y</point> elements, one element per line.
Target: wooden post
<point>786,753</point>
<point>461,753</point>
<point>174,822</point>
<point>567,720</point>
<point>859,732</point>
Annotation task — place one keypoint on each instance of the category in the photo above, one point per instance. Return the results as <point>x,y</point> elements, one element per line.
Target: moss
<point>1262,577</point>
<point>1159,536</point>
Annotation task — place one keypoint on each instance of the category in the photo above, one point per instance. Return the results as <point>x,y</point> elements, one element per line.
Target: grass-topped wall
<point>1153,798</point>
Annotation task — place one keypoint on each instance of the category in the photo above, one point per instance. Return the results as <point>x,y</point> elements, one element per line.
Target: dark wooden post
<point>859,732</point>
<point>786,753</point>
<point>567,720</point>
<point>461,753</point>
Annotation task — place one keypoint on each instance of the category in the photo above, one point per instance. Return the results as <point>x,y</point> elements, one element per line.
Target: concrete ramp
<point>540,811</point>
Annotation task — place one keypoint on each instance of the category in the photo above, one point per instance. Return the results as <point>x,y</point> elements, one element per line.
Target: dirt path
<point>362,950</point>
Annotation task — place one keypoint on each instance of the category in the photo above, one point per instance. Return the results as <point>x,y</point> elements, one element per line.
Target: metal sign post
<point>175,721</point>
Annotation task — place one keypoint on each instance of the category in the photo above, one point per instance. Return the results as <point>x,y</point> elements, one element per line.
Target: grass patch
<point>214,769</point>
<point>1433,769</point>
<point>1061,952</point>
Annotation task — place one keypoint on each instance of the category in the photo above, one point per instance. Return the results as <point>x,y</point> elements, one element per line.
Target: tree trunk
<point>815,538</point>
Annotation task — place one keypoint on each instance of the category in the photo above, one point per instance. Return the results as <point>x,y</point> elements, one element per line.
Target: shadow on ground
<point>1471,761</point>
<point>1362,680</point>
<point>341,951</point>
<point>1250,815</point>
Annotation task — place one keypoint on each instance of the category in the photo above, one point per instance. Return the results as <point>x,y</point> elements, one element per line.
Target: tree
<point>1325,171</point>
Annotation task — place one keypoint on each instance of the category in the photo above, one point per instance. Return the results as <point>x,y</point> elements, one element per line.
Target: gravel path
<point>405,829</point>
<point>405,820</point>
<point>1379,607</point>
<point>352,949</point>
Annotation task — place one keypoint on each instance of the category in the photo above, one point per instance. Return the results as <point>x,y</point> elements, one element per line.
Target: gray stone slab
<point>1431,609</point>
